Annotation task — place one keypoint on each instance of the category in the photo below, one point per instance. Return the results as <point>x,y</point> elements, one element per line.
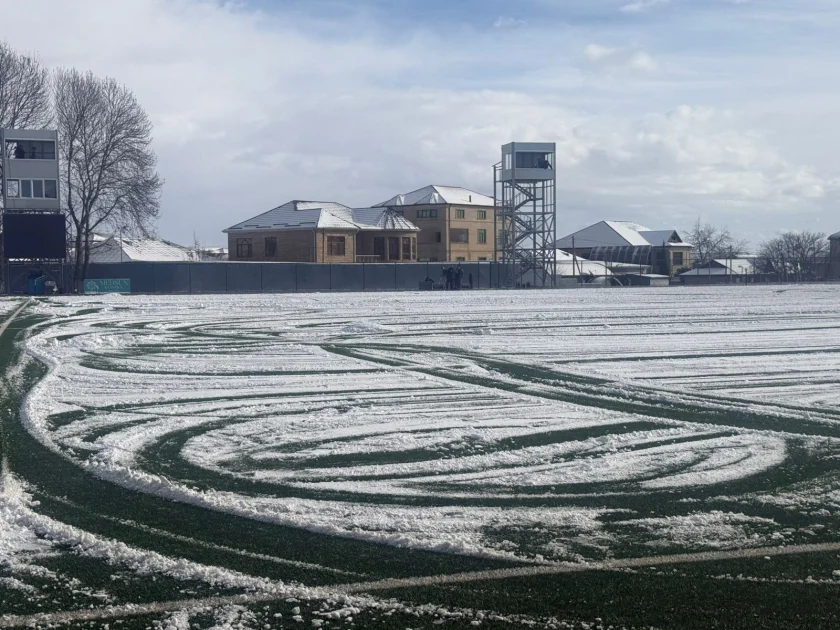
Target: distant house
<point>324,232</point>
<point>456,224</point>
<point>721,270</point>
<point>627,247</point>
<point>114,249</point>
<point>834,257</point>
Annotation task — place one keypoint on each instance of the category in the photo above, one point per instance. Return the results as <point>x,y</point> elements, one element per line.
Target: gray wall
<point>241,277</point>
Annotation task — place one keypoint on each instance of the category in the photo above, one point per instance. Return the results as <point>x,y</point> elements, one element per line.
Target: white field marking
<point>213,546</point>
<point>607,565</point>
<point>12,317</point>
<point>129,610</point>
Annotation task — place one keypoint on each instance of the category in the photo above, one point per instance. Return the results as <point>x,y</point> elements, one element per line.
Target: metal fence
<point>243,277</point>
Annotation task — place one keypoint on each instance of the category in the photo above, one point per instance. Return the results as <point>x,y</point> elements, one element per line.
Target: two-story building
<point>456,224</point>
<point>624,245</point>
<point>323,232</point>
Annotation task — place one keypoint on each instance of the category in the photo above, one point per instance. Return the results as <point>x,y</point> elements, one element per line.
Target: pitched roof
<point>296,215</point>
<point>834,237</point>
<point>436,195</point>
<point>620,234</point>
<point>115,249</point>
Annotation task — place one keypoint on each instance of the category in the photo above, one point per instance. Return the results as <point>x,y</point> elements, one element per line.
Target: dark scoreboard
<point>34,235</point>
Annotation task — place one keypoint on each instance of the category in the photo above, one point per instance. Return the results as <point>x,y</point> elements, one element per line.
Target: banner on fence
<point>108,285</point>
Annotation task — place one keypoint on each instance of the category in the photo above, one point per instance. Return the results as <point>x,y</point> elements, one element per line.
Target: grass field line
<point>621,563</point>
<point>13,315</point>
<point>131,610</point>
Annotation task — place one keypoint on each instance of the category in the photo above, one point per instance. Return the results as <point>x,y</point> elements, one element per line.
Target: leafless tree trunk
<point>24,91</point>
<point>24,98</point>
<point>795,255</point>
<point>108,169</point>
<point>712,242</point>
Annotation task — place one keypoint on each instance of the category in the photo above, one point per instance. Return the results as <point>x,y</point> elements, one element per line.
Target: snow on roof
<point>115,249</point>
<point>296,215</point>
<point>834,237</point>
<point>573,266</point>
<point>436,195</point>
<point>621,234</point>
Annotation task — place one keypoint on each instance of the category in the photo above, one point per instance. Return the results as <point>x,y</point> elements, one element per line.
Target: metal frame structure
<point>524,187</point>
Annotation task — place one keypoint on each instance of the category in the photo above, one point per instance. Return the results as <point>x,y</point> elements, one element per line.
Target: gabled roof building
<point>323,231</point>
<point>628,244</point>
<point>456,224</point>
<point>114,249</point>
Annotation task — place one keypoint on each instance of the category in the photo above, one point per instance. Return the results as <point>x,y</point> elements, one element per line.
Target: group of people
<point>454,277</point>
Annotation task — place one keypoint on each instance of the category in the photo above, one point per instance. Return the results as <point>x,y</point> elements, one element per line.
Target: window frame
<point>244,247</point>
<point>335,243</point>
<point>482,215</point>
<point>33,183</point>
<point>23,142</point>
<point>481,239</point>
<point>460,213</point>
<point>270,243</point>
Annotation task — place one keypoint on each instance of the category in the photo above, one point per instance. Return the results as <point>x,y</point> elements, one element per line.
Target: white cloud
<point>251,110</point>
<point>641,5</point>
<point>609,58</point>
<point>505,22</point>
<point>595,53</point>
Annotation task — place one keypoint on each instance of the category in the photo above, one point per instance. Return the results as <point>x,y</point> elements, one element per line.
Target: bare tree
<point>794,255</point>
<point>108,169</point>
<point>24,90</point>
<point>712,242</point>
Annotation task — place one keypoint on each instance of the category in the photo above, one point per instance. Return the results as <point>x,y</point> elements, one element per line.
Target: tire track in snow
<point>130,610</point>
<point>622,563</point>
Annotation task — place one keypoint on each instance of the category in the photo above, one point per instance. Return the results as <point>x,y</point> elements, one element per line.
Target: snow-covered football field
<point>310,448</point>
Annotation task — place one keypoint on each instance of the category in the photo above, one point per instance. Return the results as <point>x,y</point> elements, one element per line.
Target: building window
<point>482,236</point>
<point>482,257</point>
<point>270,246</point>
<point>406,248</point>
<point>459,213</point>
<point>459,236</point>
<point>678,258</point>
<point>393,248</point>
<point>30,149</point>
<point>379,247</point>
<point>438,237</point>
<point>335,246</point>
<point>32,188</point>
<point>429,213</point>
<point>460,259</point>
<point>482,215</point>
<point>244,248</point>
<point>530,159</point>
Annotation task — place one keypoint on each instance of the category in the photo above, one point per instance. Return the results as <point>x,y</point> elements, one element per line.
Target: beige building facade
<point>323,232</point>
<point>455,224</point>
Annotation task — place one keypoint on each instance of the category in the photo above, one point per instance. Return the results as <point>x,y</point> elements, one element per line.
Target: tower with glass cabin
<point>524,188</point>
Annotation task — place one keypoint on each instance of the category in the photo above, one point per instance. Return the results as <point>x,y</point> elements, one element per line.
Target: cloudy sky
<point>662,110</point>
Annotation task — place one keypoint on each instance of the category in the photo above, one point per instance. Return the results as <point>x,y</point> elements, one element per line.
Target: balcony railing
<point>368,259</point>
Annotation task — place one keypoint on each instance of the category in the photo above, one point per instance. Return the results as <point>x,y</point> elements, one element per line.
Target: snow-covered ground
<point>539,426</point>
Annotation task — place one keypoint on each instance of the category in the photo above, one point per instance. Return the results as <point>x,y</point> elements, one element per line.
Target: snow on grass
<point>397,419</point>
